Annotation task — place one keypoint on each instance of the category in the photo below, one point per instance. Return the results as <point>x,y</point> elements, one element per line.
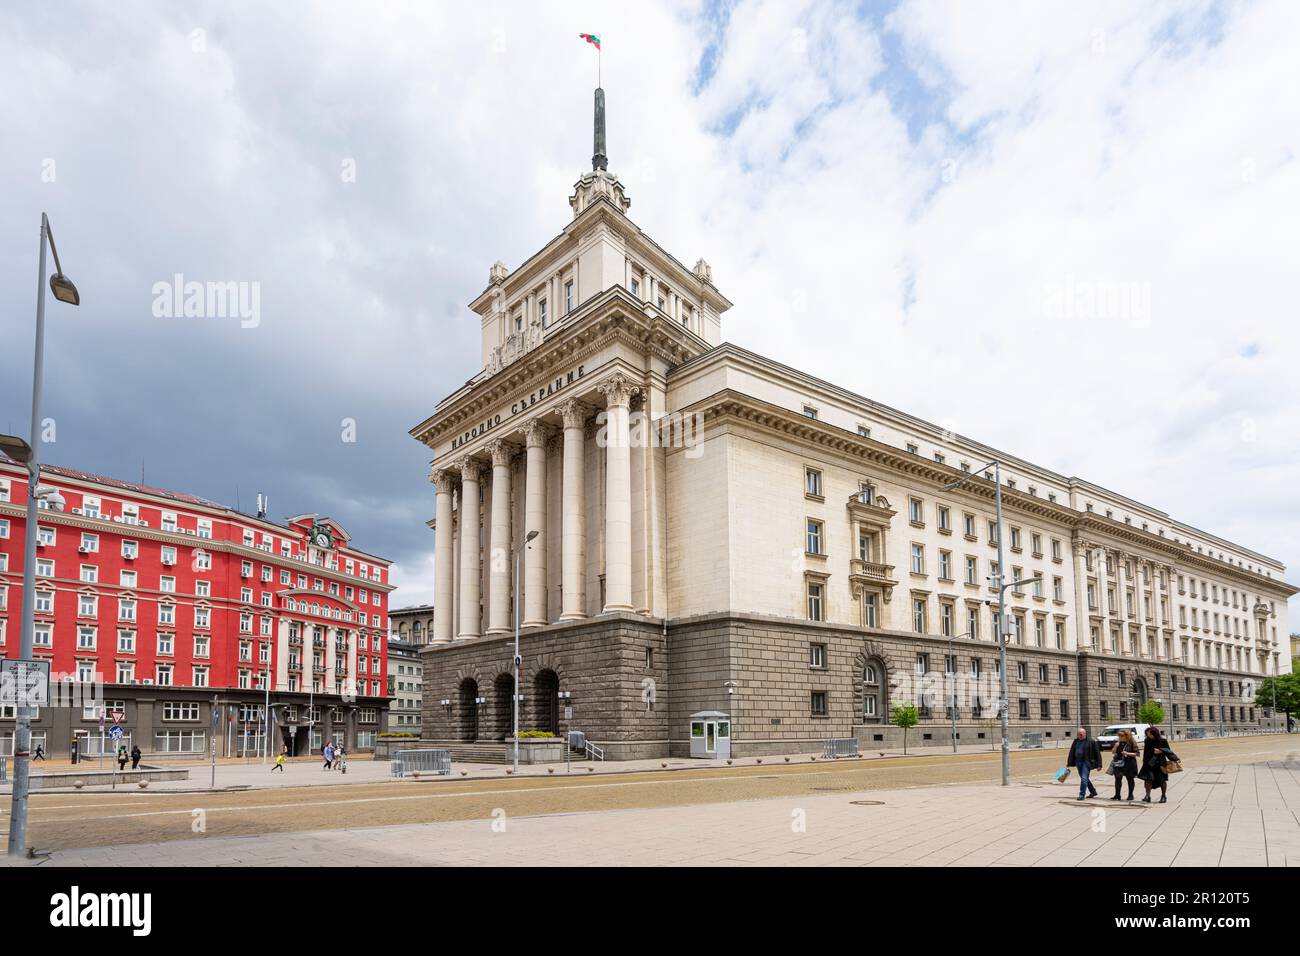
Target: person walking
<point>40,753</point>
<point>338,756</point>
<point>135,757</point>
<point>1124,763</point>
<point>1155,754</point>
<point>121,757</point>
<point>279,763</point>
<point>328,754</point>
<point>1085,756</point>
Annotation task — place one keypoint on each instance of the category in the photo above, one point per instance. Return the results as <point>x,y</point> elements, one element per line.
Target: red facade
<point>151,587</point>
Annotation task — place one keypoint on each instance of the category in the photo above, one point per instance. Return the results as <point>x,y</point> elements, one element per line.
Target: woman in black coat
<point>1126,762</point>
<point>1155,751</point>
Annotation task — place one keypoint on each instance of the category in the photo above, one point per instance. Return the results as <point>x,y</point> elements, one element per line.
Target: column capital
<point>501,451</point>
<point>536,433</point>
<point>574,412</point>
<point>471,469</point>
<point>618,389</point>
<point>444,480</point>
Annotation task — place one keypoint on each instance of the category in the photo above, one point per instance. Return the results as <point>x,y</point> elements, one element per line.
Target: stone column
<point>443,558</point>
<point>1125,582</point>
<point>1099,565</point>
<point>573,527</point>
<point>618,391</point>
<point>535,434</point>
<point>471,472</point>
<point>500,565</point>
<point>1139,608</point>
<point>1082,614</point>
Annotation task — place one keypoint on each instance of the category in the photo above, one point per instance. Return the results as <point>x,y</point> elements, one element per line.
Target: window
<point>918,559</point>
<point>812,483</point>
<point>968,525</point>
<point>918,615</point>
<point>44,535</point>
<point>815,601</point>
<point>915,511</point>
<point>89,542</point>
<point>125,610</point>
<point>972,570</point>
<point>87,605</point>
<point>1024,708</point>
<point>568,297</point>
<point>127,579</point>
<point>1022,671</point>
<point>943,516</point>
<point>180,710</point>
<point>130,550</point>
<point>810,412</point>
<point>817,656</point>
<point>45,567</point>
<point>814,543</point>
<point>945,619</point>
<point>126,642</point>
<point>945,565</point>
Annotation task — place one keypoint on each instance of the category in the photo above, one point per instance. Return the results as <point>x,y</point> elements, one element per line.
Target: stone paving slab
<point>951,825</point>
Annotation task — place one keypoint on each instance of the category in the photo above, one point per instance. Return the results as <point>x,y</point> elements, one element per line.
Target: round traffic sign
<point>115,732</point>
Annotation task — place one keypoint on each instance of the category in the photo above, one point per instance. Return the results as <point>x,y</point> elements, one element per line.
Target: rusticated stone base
<point>632,688</point>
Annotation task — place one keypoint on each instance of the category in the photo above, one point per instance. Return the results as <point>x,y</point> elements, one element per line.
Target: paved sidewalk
<point>1224,815</point>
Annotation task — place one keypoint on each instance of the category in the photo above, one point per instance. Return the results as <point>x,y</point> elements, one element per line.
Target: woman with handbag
<point>1124,762</point>
<point>1155,754</point>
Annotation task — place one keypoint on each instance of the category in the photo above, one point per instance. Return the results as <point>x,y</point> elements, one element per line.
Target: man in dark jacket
<point>1085,757</point>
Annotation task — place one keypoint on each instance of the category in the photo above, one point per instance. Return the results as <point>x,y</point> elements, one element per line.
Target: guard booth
<point>711,734</point>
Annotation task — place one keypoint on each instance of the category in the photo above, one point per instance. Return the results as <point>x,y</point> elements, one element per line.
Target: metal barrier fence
<point>840,747</point>
<point>1031,740</point>
<point>405,762</point>
<point>4,771</point>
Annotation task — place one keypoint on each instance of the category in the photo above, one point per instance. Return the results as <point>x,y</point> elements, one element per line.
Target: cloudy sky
<point>898,198</point>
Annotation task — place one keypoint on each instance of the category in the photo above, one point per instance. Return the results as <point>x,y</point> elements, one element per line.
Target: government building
<point>166,608</point>
<point>700,542</point>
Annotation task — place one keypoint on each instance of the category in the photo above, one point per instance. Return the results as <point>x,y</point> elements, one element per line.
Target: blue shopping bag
<point>1062,774</point>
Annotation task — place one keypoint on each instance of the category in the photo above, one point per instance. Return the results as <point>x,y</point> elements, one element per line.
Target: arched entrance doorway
<point>1139,692</point>
<point>503,707</point>
<point>875,691</point>
<point>467,710</point>
<point>546,702</point>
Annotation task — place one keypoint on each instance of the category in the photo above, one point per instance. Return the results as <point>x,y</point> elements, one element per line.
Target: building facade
<point>166,608</point>
<point>405,687</point>
<point>700,528</point>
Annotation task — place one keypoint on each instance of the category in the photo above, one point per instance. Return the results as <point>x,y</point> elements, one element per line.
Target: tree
<point>1288,693</point>
<point>905,716</point>
<point>1151,713</point>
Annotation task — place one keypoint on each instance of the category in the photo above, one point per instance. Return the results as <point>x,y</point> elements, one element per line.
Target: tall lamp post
<point>519,553</point>
<point>28,454</point>
<point>1004,704</point>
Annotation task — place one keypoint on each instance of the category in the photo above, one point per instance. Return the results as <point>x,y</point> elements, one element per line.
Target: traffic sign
<point>25,683</point>
<point>115,732</point>
<point>118,716</point>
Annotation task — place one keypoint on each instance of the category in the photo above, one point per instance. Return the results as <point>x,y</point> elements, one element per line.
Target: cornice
<point>609,318</point>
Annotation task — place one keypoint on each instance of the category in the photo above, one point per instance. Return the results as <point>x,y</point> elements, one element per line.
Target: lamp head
<point>63,289</point>
<point>15,449</point>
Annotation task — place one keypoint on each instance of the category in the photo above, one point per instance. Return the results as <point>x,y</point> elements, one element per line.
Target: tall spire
<point>599,160</point>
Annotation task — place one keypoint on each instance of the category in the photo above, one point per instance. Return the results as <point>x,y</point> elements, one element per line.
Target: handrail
<point>594,752</point>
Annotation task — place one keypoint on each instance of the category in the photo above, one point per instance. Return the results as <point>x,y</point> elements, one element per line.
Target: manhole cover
<point>867,803</point>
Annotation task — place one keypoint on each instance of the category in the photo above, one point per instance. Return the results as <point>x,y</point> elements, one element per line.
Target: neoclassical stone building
<point>714,531</point>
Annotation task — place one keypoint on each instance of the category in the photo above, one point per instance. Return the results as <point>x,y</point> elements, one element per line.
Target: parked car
<point>1108,736</point>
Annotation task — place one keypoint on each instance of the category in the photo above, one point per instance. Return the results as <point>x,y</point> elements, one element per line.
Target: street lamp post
<point>519,553</point>
<point>1004,705</point>
<point>64,291</point>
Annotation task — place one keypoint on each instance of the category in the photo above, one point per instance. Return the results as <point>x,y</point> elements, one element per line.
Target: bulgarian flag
<point>590,38</point>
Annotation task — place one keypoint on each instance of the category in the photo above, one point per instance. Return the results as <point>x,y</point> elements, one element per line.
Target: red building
<point>165,606</point>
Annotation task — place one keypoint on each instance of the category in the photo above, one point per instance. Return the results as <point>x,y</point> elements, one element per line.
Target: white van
<point>1108,736</point>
